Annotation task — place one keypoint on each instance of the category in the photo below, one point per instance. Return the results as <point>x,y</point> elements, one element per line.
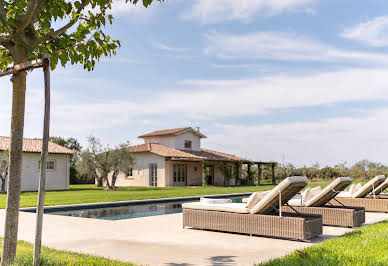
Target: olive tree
<point>27,31</point>
<point>4,159</point>
<point>102,160</point>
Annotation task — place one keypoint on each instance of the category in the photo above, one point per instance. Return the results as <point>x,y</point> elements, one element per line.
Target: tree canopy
<point>32,26</point>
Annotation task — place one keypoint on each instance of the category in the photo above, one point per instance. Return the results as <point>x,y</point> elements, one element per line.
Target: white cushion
<point>215,201</point>
<point>331,190</point>
<point>357,188</point>
<point>250,199</point>
<point>225,207</point>
<point>295,202</point>
<point>352,189</point>
<point>381,188</point>
<point>368,187</point>
<point>264,204</point>
<point>306,194</point>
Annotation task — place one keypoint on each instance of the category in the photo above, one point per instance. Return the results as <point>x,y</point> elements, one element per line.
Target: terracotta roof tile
<point>164,132</point>
<point>216,156</point>
<point>165,151</point>
<point>35,145</point>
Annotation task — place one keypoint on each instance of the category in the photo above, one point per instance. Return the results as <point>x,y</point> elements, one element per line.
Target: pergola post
<point>258,174</point>
<point>203,173</point>
<point>249,173</point>
<point>273,173</point>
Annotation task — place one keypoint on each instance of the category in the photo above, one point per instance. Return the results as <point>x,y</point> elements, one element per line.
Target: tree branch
<point>27,18</point>
<point>58,32</point>
<point>2,9</point>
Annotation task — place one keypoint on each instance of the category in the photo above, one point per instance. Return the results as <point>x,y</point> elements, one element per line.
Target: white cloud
<point>327,141</point>
<point>168,48</point>
<point>283,46</point>
<point>373,32</point>
<point>214,11</point>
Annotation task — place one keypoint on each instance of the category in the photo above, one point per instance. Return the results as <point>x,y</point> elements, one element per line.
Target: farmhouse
<point>174,157</point>
<point>58,164</point>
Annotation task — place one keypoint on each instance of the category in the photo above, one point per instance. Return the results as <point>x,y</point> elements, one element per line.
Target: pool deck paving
<point>161,240</point>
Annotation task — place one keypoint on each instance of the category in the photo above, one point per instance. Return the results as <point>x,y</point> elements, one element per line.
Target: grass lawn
<point>365,246</point>
<point>91,194</point>
<point>55,257</point>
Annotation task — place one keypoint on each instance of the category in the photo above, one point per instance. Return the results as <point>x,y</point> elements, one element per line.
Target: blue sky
<point>262,78</point>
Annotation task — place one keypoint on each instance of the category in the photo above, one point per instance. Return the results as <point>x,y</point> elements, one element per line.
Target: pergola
<point>259,164</point>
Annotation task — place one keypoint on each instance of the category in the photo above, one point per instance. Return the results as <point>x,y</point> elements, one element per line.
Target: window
<point>50,164</point>
<point>130,172</point>
<point>187,144</point>
<point>179,173</point>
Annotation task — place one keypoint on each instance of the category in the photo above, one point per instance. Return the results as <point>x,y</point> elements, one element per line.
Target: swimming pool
<point>120,211</point>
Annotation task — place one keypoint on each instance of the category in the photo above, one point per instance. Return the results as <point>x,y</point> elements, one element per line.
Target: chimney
<point>196,129</point>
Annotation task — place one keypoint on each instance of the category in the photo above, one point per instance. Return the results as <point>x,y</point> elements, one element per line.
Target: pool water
<point>130,211</point>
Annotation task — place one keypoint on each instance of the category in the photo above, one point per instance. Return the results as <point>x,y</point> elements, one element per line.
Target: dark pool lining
<point>88,206</point>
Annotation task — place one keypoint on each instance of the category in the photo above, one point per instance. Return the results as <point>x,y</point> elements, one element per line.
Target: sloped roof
<point>171,132</point>
<point>162,150</point>
<point>216,155</point>
<point>202,155</point>
<point>35,146</point>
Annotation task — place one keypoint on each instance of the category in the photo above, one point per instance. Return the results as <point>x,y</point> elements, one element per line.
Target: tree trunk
<point>99,181</point>
<point>2,185</point>
<point>114,178</point>
<point>15,164</point>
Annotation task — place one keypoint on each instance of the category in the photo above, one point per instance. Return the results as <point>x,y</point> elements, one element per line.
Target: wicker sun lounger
<point>364,198</point>
<point>331,215</point>
<point>264,218</point>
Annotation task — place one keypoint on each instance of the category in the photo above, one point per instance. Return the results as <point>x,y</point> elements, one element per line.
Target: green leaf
<point>4,21</point>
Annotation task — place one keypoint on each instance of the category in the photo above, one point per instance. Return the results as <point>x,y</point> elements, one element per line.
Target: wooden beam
<point>22,67</point>
<point>273,174</point>
<point>43,162</point>
<point>259,174</point>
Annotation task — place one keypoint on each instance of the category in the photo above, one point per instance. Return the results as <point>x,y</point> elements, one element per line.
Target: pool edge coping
<point>107,204</point>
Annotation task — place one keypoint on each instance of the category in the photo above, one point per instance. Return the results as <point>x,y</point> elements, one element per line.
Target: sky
<point>303,80</point>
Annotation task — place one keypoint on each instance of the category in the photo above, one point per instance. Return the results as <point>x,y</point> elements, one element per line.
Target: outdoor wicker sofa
<point>331,215</point>
<point>261,216</point>
<point>364,197</point>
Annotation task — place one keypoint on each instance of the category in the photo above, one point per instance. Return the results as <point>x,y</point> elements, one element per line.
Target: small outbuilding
<point>58,164</point>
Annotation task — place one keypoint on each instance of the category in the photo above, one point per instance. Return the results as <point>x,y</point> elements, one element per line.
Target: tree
<point>4,159</point>
<point>26,33</point>
<point>70,143</point>
<point>86,167</point>
<point>103,160</point>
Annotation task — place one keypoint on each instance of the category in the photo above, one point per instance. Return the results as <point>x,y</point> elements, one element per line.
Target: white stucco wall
<point>140,171</point>
<point>177,142</point>
<point>57,179</point>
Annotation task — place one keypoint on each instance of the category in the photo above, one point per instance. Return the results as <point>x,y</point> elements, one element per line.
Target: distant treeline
<point>360,171</point>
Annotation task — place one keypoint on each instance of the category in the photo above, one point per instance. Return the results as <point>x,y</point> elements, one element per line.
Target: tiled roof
<point>216,156</point>
<point>165,151</point>
<point>171,132</point>
<point>35,145</point>
<point>164,132</point>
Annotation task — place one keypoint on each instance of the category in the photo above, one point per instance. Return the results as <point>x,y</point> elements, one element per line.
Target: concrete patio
<point>161,240</point>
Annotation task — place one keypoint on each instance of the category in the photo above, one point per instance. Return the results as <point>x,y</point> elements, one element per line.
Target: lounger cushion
<point>357,188</point>
<point>329,192</point>
<point>352,189</point>
<point>225,207</point>
<point>250,199</point>
<point>306,194</point>
<point>288,188</point>
<point>253,200</point>
<point>368,187</point>
<point>215,201</point>
<point>381,188</point>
